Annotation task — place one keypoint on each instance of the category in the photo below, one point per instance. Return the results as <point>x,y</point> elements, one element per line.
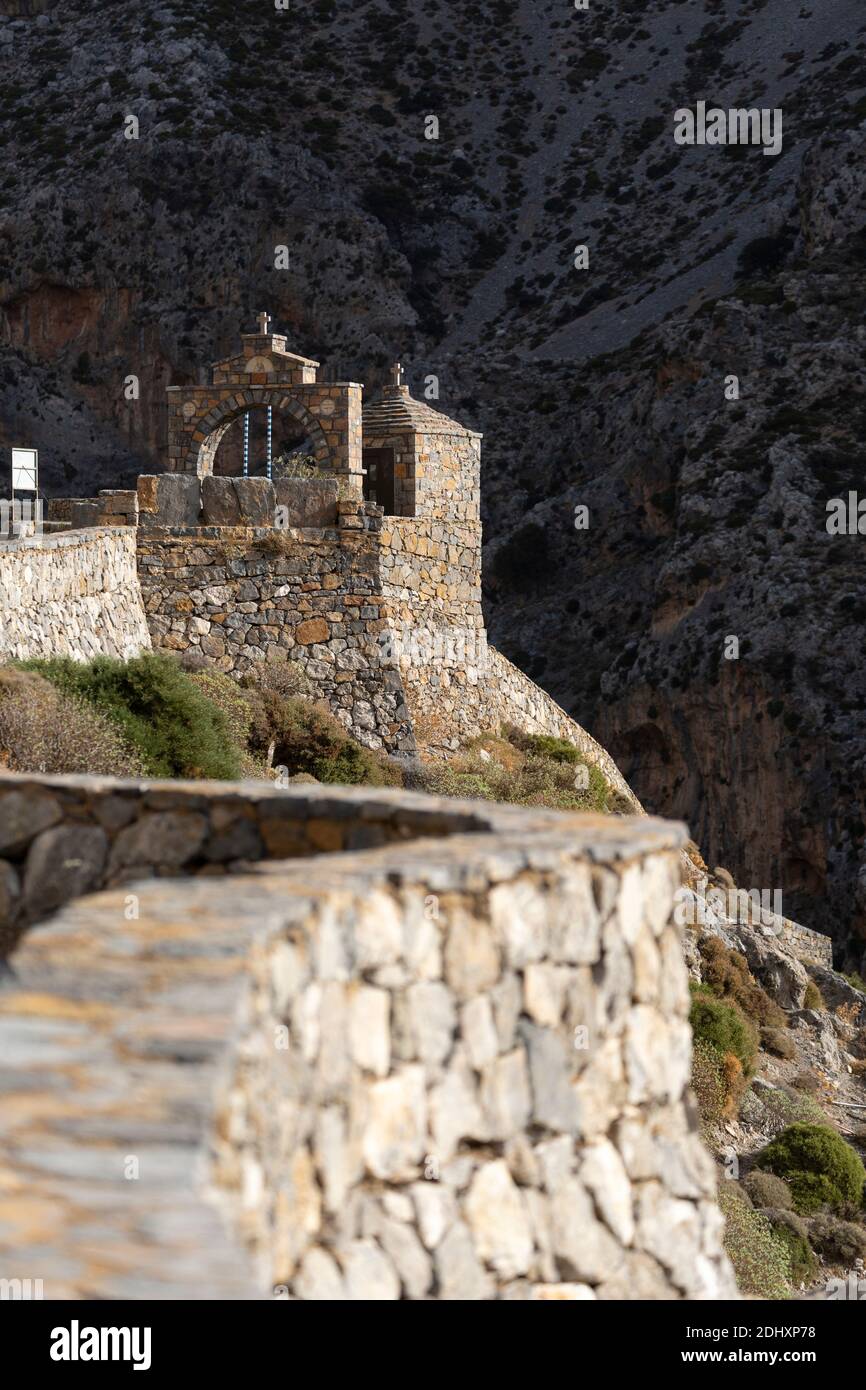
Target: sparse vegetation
<point>761,1260</point>
<point>528,770</point>
<point>813,998</point>
<point>155,708</point>
<point>44,730</point>
<point>726,973</point>
<point>708,1085</point>
<point>725,1027</point>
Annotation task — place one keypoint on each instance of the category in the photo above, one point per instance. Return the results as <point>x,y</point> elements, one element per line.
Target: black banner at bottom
<point>162,1339</point>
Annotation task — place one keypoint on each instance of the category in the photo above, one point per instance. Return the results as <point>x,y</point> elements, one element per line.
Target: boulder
<point>780,973</point>
<point>238,501</point>
<point>64,862</point>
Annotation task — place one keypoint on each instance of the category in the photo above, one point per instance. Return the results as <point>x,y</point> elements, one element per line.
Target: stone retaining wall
<point>71,594</point>
<point>451,706</point>
<point>810,946</point>
<point>241,595</point>
<point>457,1069</point>
<point>64,836</point>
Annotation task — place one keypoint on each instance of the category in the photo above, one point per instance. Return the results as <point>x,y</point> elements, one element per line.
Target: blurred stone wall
<point>440,1068</point>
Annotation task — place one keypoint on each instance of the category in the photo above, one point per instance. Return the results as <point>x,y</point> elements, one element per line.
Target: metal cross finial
<point>263,321</point>
<point>397,374</point>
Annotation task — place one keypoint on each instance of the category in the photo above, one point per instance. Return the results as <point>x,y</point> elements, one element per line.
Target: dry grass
<point>43,730</point>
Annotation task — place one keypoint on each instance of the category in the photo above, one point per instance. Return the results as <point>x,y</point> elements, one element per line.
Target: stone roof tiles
<point>395,412</point>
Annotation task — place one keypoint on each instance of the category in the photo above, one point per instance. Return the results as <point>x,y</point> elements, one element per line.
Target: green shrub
<point>546,746</point>
<point>813,998</point>
<point>307,738</point>
<point>837,1240</point>
<point>766,1190</point>
<point>856,982</point>
<point>817,1164</point>
<point>156,708</point>
<point>241,709</point>
<point>725,1026</point>
<point>727,974</point>
<point>791,1232</point>
<point>761,1260</point>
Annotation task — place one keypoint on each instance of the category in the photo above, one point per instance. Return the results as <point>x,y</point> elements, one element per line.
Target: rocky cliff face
<point>306,128</point>
<point>707,522</point>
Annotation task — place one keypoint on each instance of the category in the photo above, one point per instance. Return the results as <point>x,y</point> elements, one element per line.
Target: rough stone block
<point>169,499</point>
<point>83,514</point>
<point>238,501</point>
<point>308,501</point>
<point>114,501</point>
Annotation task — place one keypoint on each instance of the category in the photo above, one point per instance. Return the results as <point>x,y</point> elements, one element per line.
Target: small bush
<point>43,730</point>
<point>807,1082</point>
<point>547,746</point>
<point>843,1242</point>
<point>735,1082</point>
<point>307,738</point>
<point>813,998</point>
<point>856,982</point>
<point>725,1027</point>
<point>524,769</point>
<point>761,1260</point>
<point>817,1164</point>
<point>791,1232</point>
<point>708,1085</point>
<point>779,1042</point>
<point>241,710</point>
<point>157,708</point>
<point>727,974</point>
<point>287,678</point>
<point>788,1105</point>
<point>766,1190</point>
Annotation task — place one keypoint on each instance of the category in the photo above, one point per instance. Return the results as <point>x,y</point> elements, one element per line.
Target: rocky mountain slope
<point>305,128</point>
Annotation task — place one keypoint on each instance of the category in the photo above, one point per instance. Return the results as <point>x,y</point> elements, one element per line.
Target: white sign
<point>25,470</point>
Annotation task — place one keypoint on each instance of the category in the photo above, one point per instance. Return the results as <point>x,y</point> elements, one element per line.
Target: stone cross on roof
<point>263,322</point>
<point>396,374</point>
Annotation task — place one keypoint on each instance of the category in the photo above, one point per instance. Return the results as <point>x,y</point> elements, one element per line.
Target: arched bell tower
<point>263,373</point>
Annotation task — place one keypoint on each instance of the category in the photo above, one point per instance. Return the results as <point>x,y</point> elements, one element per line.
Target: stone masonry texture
<point>435,1068</point>
<point>72,594</point>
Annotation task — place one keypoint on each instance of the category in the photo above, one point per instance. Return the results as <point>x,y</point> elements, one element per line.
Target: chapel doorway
<point>379,478</point>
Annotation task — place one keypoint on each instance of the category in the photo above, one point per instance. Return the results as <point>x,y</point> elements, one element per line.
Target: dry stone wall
<point>450,1068</point>
<point>72,594</point>
<point>61,837</point>
<point>239,596</point>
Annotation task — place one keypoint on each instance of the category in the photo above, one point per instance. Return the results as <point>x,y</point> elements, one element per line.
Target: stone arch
<point>214,424</point>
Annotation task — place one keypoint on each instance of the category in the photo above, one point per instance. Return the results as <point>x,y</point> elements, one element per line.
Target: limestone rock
<point>394,1138</point>
<point>498,1220</point>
